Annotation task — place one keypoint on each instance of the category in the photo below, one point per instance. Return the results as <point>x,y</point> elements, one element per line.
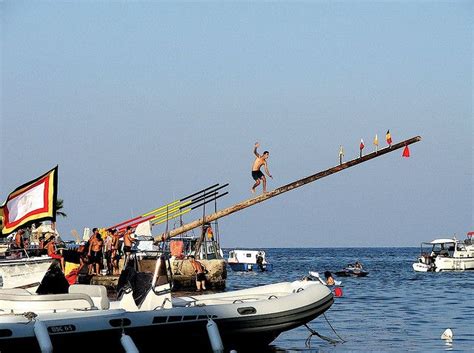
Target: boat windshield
<point>442,249</point>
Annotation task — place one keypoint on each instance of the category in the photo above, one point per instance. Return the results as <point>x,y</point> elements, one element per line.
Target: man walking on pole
<point>257,175</point>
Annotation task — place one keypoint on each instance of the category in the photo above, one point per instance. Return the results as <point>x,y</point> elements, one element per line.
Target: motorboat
<point>77,320</point>
<point>352,270</point>
<point>446,254</point>
<point>22,268</point>
<point>248,260</point>
<point>24,271</point>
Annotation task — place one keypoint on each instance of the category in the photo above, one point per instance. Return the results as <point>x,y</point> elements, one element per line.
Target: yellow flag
<point>376,140</point>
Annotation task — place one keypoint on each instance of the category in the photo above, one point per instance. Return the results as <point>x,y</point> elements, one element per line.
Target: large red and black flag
<point>34,201</point>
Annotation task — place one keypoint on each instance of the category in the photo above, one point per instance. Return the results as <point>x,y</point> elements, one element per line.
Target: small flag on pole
<point>388,137</point>
<point>376,143</point>
<point>361,146</point>
<point>406,152</point>
<point>341,154</point>
<point>32,202</point>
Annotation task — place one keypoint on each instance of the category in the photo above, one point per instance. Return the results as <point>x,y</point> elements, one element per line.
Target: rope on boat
<point>325,338</point>
<point>30,315</point>
<point>333,330</point>
<point>312,333</point>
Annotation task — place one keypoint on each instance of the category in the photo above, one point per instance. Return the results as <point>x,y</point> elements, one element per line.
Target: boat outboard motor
<point>53,281</point>
<point>132,280</point>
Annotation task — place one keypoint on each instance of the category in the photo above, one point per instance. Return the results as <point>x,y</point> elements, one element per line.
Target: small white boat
<point>248,260</point>
<point>21,268</point>
<point>78,320</point>
<point>24,272</point>
<point>446,254</point>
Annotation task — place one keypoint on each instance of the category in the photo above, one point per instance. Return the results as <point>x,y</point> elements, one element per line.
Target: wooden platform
<point>183,274</point>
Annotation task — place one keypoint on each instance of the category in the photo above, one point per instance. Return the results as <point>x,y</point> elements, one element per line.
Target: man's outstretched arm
<point>255,149</point>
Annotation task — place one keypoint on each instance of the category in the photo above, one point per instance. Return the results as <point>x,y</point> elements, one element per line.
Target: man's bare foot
<point>253,190</point>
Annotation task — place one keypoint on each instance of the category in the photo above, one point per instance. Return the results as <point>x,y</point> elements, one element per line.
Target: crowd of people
<point>105,252</point>
<point>101,253</point>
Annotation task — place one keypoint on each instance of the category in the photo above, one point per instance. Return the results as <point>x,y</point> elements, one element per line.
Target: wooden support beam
<point>282,189</point>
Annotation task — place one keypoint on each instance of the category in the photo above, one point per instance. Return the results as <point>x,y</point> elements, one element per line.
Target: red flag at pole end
<point>406,152</point>
<point>361,146</point>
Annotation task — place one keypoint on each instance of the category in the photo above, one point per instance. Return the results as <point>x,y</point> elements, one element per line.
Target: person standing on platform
<point>128,241</point>
<point>200,273</point>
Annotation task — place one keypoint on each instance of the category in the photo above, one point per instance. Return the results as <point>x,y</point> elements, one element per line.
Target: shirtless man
<point>95,253</point>
<point>115,252</point>
<point>257,174</point>
<point>200,273</point>
<point>128,241</point>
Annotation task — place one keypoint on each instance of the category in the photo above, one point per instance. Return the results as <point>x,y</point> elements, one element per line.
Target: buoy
<point>447,334</point>
<point>128,344</point>
<point>338,292</point>
<point>214,336</point>
<point>42,335</point>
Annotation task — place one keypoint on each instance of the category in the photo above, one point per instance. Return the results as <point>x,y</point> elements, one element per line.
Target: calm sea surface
<point>392,309</point>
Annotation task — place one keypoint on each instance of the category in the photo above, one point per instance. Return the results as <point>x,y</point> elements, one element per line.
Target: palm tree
<point>59,207</point>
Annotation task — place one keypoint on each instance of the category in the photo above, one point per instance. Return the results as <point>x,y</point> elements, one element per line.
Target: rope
<point>333,330</point>
<point>312,333</point>
<point>30,315</point>
<point>325,338</point>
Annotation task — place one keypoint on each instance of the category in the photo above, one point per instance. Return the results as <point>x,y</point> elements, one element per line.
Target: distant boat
<point>22,268</point>
<point>24,271</point>
<point>352,271</point>
<point>248,260</point>
<point>446,254</point>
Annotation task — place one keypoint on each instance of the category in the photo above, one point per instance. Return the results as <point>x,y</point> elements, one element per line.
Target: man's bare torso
<point>96,245</point>
<point>257,164</point>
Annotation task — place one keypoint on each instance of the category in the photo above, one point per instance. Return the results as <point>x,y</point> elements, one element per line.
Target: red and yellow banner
<point>32,202</point>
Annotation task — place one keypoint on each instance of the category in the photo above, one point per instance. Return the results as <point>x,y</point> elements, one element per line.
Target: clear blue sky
<point>140,103</point>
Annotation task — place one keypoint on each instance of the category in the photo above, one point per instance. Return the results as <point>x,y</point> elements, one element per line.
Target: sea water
<point>393,309</point>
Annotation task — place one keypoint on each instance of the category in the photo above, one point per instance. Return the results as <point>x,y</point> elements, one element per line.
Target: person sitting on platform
<point>53,251</point>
